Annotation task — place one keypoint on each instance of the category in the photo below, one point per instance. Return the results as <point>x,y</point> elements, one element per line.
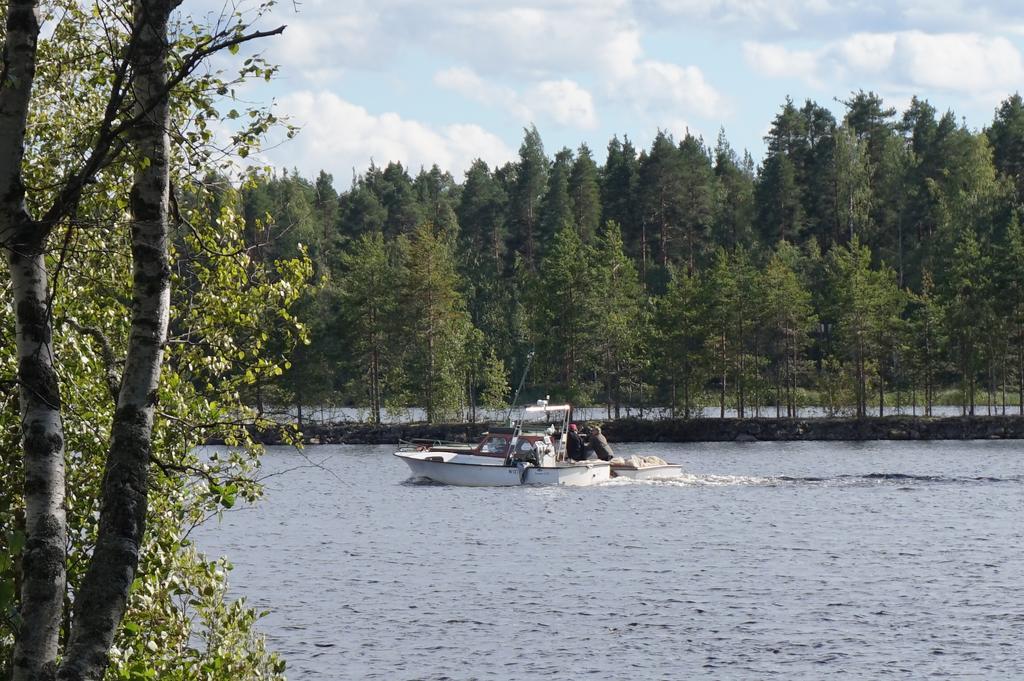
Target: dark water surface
<point>767,560</point>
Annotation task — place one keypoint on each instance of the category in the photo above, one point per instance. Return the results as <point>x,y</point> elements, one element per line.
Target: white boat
<point>515,455</point>
<point>473,471</point>
<point>669,470</point>
<point>644,468</point>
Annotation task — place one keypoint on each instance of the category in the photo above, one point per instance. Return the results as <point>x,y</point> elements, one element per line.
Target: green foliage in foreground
<point>180,622</point>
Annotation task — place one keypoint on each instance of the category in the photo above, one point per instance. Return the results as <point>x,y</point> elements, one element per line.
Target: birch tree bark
<point>135,118</point>
<point>23,241</point>
<point>101,601</point>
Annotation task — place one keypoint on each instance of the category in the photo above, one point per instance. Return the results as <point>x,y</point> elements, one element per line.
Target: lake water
<point>766,560</point>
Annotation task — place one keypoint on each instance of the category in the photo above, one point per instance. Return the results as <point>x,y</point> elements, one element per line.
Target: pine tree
<point>919,217</point>
<point>584,194</point>
<point>437,196</point>
<point>560,308</point>
<point>865,305</point>
<point>778,195</point>
<point>1007,138</point>
<point>1010,280</point>
<point>734,199</point>
<point>970,206</point>
<point>681,342</point>
<point>818,170</point>
<point>966,287</point>
<point>367,301</point>
<point>870,119</point>
<point>325,206</point>
<point>481,256</point>
<point>436,325</point>
<point>786,319</point>
<point>925,342</point>
<point>481,218</point>
<point>394,188</point>
<point>788,135</point>
<point>696,210</point>
<point>486,379</point>
<point>525,195</point>
<point>722,291</point>
<point>556,208</point>
<point>360,210</point>
<point>743,315</point>
<point>619,318</point>
<point>619,200</point>
<point>661,189</point>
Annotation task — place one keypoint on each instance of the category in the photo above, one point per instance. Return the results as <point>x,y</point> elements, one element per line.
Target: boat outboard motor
<point>545,453</point>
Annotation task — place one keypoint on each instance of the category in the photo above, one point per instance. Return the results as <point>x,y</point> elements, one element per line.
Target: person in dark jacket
<point>599,444</point>
<point>574,444</point>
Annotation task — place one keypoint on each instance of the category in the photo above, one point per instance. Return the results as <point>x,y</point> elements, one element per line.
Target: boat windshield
<point>496,444</point>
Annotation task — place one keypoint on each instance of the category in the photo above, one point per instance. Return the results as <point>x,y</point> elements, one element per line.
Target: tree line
<point>867,261</point>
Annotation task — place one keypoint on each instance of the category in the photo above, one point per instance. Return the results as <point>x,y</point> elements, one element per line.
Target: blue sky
<point>452,80</point>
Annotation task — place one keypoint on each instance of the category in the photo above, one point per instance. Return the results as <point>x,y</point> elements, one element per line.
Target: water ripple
<point>765,560</point>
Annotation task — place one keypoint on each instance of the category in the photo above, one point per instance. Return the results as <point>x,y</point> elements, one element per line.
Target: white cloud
<point>563,102</point>
<point>961,63</point>
<point>831,19</point>
<point>661,86</point>
<point>777,61</point>
<point>468,83</point>
<point>752,16</point>
<point>318,46</point>
<point>531,39</point>
<point>565,36</point>
<point>868,52</point>
<point>961,15</point>
<point>541,39</point>
<point>968,63</point>
<point>655,89</point>
<point>536,39</point>
<point>339,136</point>
<point>505,51</point>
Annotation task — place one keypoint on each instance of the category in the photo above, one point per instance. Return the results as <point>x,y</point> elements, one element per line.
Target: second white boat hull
<point>672,470</point>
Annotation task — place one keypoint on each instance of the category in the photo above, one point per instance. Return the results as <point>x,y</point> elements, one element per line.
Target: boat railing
<point>421,443</point>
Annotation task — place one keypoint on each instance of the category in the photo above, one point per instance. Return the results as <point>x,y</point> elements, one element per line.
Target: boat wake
<point>694,480</point>
<point>903,480</point>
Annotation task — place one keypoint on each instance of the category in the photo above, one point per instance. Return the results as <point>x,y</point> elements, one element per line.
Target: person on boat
<point>599,444</point>
<point>574,446</point>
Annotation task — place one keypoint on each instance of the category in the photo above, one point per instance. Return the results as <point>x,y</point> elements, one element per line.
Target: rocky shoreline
<point>694,430</point>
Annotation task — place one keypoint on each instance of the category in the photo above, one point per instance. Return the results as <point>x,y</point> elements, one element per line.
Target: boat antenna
<point>515,398</point>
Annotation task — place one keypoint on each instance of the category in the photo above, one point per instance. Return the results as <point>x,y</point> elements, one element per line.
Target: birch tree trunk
<point>102,598</point>
<point>23,241</point>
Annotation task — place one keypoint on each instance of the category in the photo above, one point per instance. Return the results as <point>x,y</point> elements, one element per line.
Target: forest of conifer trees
<point>873,261</point>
